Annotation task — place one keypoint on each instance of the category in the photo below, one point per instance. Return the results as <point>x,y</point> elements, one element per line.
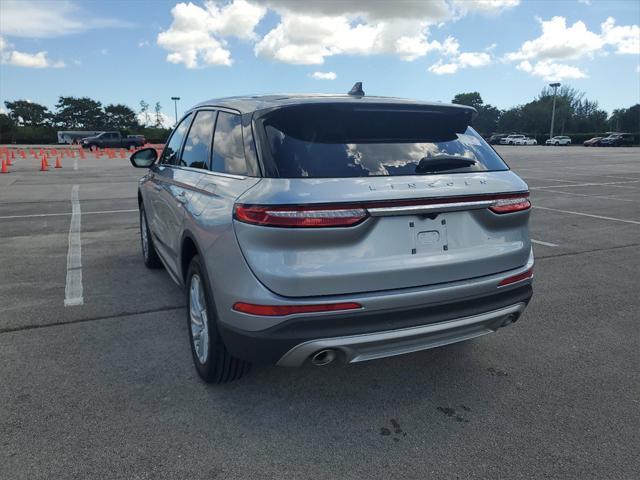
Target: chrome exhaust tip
<point>323,357</point>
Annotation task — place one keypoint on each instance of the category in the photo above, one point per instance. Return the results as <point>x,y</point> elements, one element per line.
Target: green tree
<point>488,116</point>
<point>625,119</point>
<point>26,113</point>
<point>158,111</point>
<point>472,99</point>
<point>144,111</point>
<point>7,128</point>
<point>82,113</point>
<point>120,117</point>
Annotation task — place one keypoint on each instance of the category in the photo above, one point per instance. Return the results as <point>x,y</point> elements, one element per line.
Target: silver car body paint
<point>391,261</point>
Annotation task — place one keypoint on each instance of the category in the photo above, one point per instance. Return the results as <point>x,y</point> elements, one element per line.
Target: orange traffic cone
<point>58,163</point>
<point>4,168</point>
<point>8,160</point>
<point>43,165</point>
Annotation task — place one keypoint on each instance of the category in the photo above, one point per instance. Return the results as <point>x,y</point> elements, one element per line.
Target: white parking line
<point>585,185</point>
<point>546,244</point>
<point>634,222</point>
<point>603,197</point>
<point>75,163</point>
<point>73,290</point>
<point>35,215</point>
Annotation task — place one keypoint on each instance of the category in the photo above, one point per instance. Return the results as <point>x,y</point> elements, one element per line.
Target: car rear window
<point>338,141</point>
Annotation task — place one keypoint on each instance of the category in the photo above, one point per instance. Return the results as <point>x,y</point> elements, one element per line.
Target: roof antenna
<point>356,90</point>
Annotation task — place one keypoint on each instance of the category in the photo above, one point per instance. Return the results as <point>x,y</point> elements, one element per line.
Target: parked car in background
<point>617,140</point>
<point>525,141</point>
<point>495,138</point>
<point>261,208</point>
<point>511,139</point>
<point>111,140</point>
<point>558,140</point>
<point>139,137</point>
<point>592,142</point>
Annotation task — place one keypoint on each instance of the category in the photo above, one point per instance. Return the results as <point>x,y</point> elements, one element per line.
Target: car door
<point>193,164</point>
<point>166,195</point>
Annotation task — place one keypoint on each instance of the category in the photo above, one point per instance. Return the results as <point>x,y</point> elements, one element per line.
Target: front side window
<point>172,149</point>
<point>228,145</point>
<point>342,141</point>
<point>195,153</point>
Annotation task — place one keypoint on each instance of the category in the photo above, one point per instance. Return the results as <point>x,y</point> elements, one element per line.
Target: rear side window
<point>195,153</point>
<point>172,149</point>
<point>228,145</point>
<point>337,141</point>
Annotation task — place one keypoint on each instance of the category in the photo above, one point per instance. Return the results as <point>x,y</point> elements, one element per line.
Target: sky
<point>508,50</point>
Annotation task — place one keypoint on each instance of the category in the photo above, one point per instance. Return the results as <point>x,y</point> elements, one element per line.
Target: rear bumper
<point>360,348</point>
<point>367,335</point>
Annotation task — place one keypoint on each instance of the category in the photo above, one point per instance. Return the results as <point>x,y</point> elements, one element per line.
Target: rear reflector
<point>282,310</point>
<point>517,278</point>
<point>510,205</point>
<point>300,216</point>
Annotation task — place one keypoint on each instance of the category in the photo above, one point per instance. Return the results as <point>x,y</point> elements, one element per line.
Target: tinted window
<point>195,153</point>
<point>171,149</point>
<point>228,149</point>
<point>346,141</point>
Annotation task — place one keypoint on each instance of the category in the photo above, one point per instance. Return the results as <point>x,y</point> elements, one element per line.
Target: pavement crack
<point>92,319</point>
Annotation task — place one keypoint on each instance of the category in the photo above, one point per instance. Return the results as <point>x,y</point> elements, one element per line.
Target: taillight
<point>517,278</point>
<point>511,204</point>
<point>300,216</point>
<point>282,310</point>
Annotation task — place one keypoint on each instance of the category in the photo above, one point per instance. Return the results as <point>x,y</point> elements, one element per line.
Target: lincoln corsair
<point>321,228</point>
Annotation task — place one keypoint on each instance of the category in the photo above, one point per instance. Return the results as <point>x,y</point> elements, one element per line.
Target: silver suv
<point>319,228</point>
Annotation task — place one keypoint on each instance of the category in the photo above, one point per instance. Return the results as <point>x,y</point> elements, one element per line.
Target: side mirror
<point>144,158</point>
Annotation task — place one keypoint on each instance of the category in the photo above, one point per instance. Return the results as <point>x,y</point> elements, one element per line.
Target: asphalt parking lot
<point>107,389</point>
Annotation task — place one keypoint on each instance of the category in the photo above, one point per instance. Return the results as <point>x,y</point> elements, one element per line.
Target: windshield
<point>327,143</point>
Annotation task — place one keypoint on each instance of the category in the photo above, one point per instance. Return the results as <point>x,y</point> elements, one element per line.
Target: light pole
<point>553,110</point>
<point>175,103</point>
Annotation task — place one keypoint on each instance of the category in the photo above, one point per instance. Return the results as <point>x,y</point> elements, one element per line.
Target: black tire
<point>220,366</point>
<point>149,254</point>
<point>93,147</point>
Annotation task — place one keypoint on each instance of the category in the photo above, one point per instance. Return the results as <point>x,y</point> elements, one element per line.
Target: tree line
<point>30,122</point>
<point>576,116</point>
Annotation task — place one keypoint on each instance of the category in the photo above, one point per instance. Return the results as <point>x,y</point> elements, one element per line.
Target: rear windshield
<point>329,141</point>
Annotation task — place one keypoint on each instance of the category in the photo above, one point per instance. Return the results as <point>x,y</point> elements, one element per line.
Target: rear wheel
<point>149,254</point>
<point>212,360</point>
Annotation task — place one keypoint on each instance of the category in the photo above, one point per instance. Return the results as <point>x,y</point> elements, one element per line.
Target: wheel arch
<point>188,250</point>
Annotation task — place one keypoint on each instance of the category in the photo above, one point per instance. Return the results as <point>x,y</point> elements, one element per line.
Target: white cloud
<point>585,2</point>
<point>104,51</point>
<point>195,35</point>
<point>462,60</point>
<point>42,19</point>
<point>10,56</point>
<point>308,33</point>
<point>143,43</point>
<point>559,42</point>
<point>484,6</point>
<point>625,39</point>
<point>441,68</point>
<point>324,75</point>
<point>474,59</point>
<point>550,71</point>
<point>540,56</point>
